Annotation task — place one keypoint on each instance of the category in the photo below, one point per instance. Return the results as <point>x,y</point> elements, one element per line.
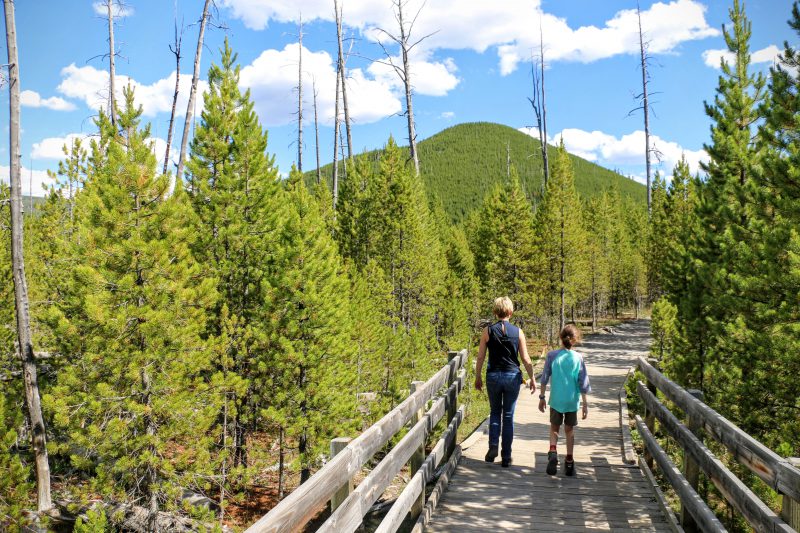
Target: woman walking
<point>506,344</point>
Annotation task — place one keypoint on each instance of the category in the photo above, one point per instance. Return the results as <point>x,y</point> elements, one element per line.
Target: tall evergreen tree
<point>137,401</point>
<point>503,244</point>
<point>728,207</point>
<point>561,240</point>
<point>309,330</point>
<point>234,190</point>
<point>778,303</point>
<point>597,222</point>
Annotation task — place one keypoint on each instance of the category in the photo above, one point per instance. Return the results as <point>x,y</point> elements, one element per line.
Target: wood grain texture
<point>773,469</point>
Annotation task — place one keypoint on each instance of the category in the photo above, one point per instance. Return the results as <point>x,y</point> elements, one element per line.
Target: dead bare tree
<point>538,103</point>
<point>404,41</point>
<point>645,104</point>
<point>316,128</point>
<point>193,90</point>
<point>111,55</point>
<point>336,119</point>
<point>25,344</point>
<point>343,79</point>
<point>176,51</point>
<point>300,98</point>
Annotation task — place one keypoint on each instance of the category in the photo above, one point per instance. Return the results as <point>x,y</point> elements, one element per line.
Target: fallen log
<point>131,518</point>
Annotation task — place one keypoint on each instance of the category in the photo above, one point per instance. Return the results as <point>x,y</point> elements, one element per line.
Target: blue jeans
<point>503,390</point>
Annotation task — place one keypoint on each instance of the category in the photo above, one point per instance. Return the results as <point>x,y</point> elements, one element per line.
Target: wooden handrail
<point>697,507</point>
<point>774,470</point>
<point>349,515</point>
<point>416,485</point>
<point>744,500</point>
<point>294,511</point>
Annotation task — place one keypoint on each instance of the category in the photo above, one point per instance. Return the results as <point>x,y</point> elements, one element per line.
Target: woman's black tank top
<point>503,347</point>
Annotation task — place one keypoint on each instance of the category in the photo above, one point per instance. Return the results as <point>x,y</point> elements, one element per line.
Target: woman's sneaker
<point>552,463</point>
<point>569,468</point>
<point>491,455</point>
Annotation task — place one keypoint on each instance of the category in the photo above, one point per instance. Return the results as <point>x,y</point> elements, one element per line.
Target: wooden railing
<point>779,473</point>
<point>333,482</point>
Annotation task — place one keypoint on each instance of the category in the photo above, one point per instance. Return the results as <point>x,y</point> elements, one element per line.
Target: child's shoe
<point>506,462</point>
<point>569,468</point>
<point>552,463</point>
<point>491,455</point>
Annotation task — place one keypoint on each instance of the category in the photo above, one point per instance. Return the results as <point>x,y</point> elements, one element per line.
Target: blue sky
<point>475,67</point>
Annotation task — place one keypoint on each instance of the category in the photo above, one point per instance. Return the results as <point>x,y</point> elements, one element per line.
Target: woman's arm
<point>481,357</point>
<point>526,360</point>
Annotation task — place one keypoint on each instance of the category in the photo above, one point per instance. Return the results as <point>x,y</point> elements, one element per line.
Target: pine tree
<point>14,483</point>
<point>728,208</point>
<point>234,190</point>
<point>561,240</point>
<point>597,223</point>
<point>309,330</point>
<point>503,244</point>
<point>658,238</point>
<point>137,401</point>
<point>779,251</point>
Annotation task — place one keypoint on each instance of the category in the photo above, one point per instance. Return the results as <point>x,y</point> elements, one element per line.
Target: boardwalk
<point>606,494</point>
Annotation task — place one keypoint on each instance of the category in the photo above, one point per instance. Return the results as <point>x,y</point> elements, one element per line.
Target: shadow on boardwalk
<point>606,494</point>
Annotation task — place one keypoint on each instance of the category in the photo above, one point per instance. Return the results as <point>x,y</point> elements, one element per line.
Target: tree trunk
<point>111,73</point>
<point>344,84</point>
<point>336,123</point>
<point>177,52</point>
<point>594,306</point>
<point>305,471</point>
<point>645,107</point>
<point>192,91</point>
<point>543,139</point>
<point>562,276</point>
<point>300,100</point>
<point>316,130</point>
<point>412,134</point>
<point>281,468</point>
<point>29,373</point>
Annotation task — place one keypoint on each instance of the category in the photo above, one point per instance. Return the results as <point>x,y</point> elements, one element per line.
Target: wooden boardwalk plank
<point>606,494</point>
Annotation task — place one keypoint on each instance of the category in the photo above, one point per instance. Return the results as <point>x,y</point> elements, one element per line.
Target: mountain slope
<point>461,164</point>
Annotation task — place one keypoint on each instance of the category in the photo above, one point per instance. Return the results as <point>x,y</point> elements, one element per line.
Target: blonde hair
<point>503,307</point>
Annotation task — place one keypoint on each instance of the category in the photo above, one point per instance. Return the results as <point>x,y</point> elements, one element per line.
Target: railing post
<point>418,457</point>
<point>451,401</point>
<point>338,444</point>
<point>790,509</point>
<point>650,418</point>
<point>691,471</point>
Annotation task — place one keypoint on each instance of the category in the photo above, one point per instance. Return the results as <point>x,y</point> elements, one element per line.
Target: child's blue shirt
<point>566,371</point>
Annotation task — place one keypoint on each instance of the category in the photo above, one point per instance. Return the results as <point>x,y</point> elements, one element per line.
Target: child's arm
<point>585,387</point>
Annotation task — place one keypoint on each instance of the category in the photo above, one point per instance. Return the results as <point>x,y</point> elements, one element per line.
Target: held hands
<point>542,404</point>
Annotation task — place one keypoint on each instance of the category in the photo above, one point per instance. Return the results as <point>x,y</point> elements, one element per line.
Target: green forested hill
<point>460,164</point>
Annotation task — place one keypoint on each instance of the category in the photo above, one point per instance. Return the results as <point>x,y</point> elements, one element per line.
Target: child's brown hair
<point>570,336</point>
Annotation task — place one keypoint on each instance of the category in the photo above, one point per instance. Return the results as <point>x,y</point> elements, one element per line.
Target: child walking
<point>566,371</point>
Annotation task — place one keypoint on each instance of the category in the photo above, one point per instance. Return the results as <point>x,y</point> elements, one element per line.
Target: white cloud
<point>35,181</point>
<point>272,78</point>
<point>91,86</point>
<point>53,147</point>
<point>508,25</point>
<point>625,151</point>
<point>33,99</point>
<point>119,9</point>
<point>713,58</point>
<point>430,78</point>
<point>447,115</point>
